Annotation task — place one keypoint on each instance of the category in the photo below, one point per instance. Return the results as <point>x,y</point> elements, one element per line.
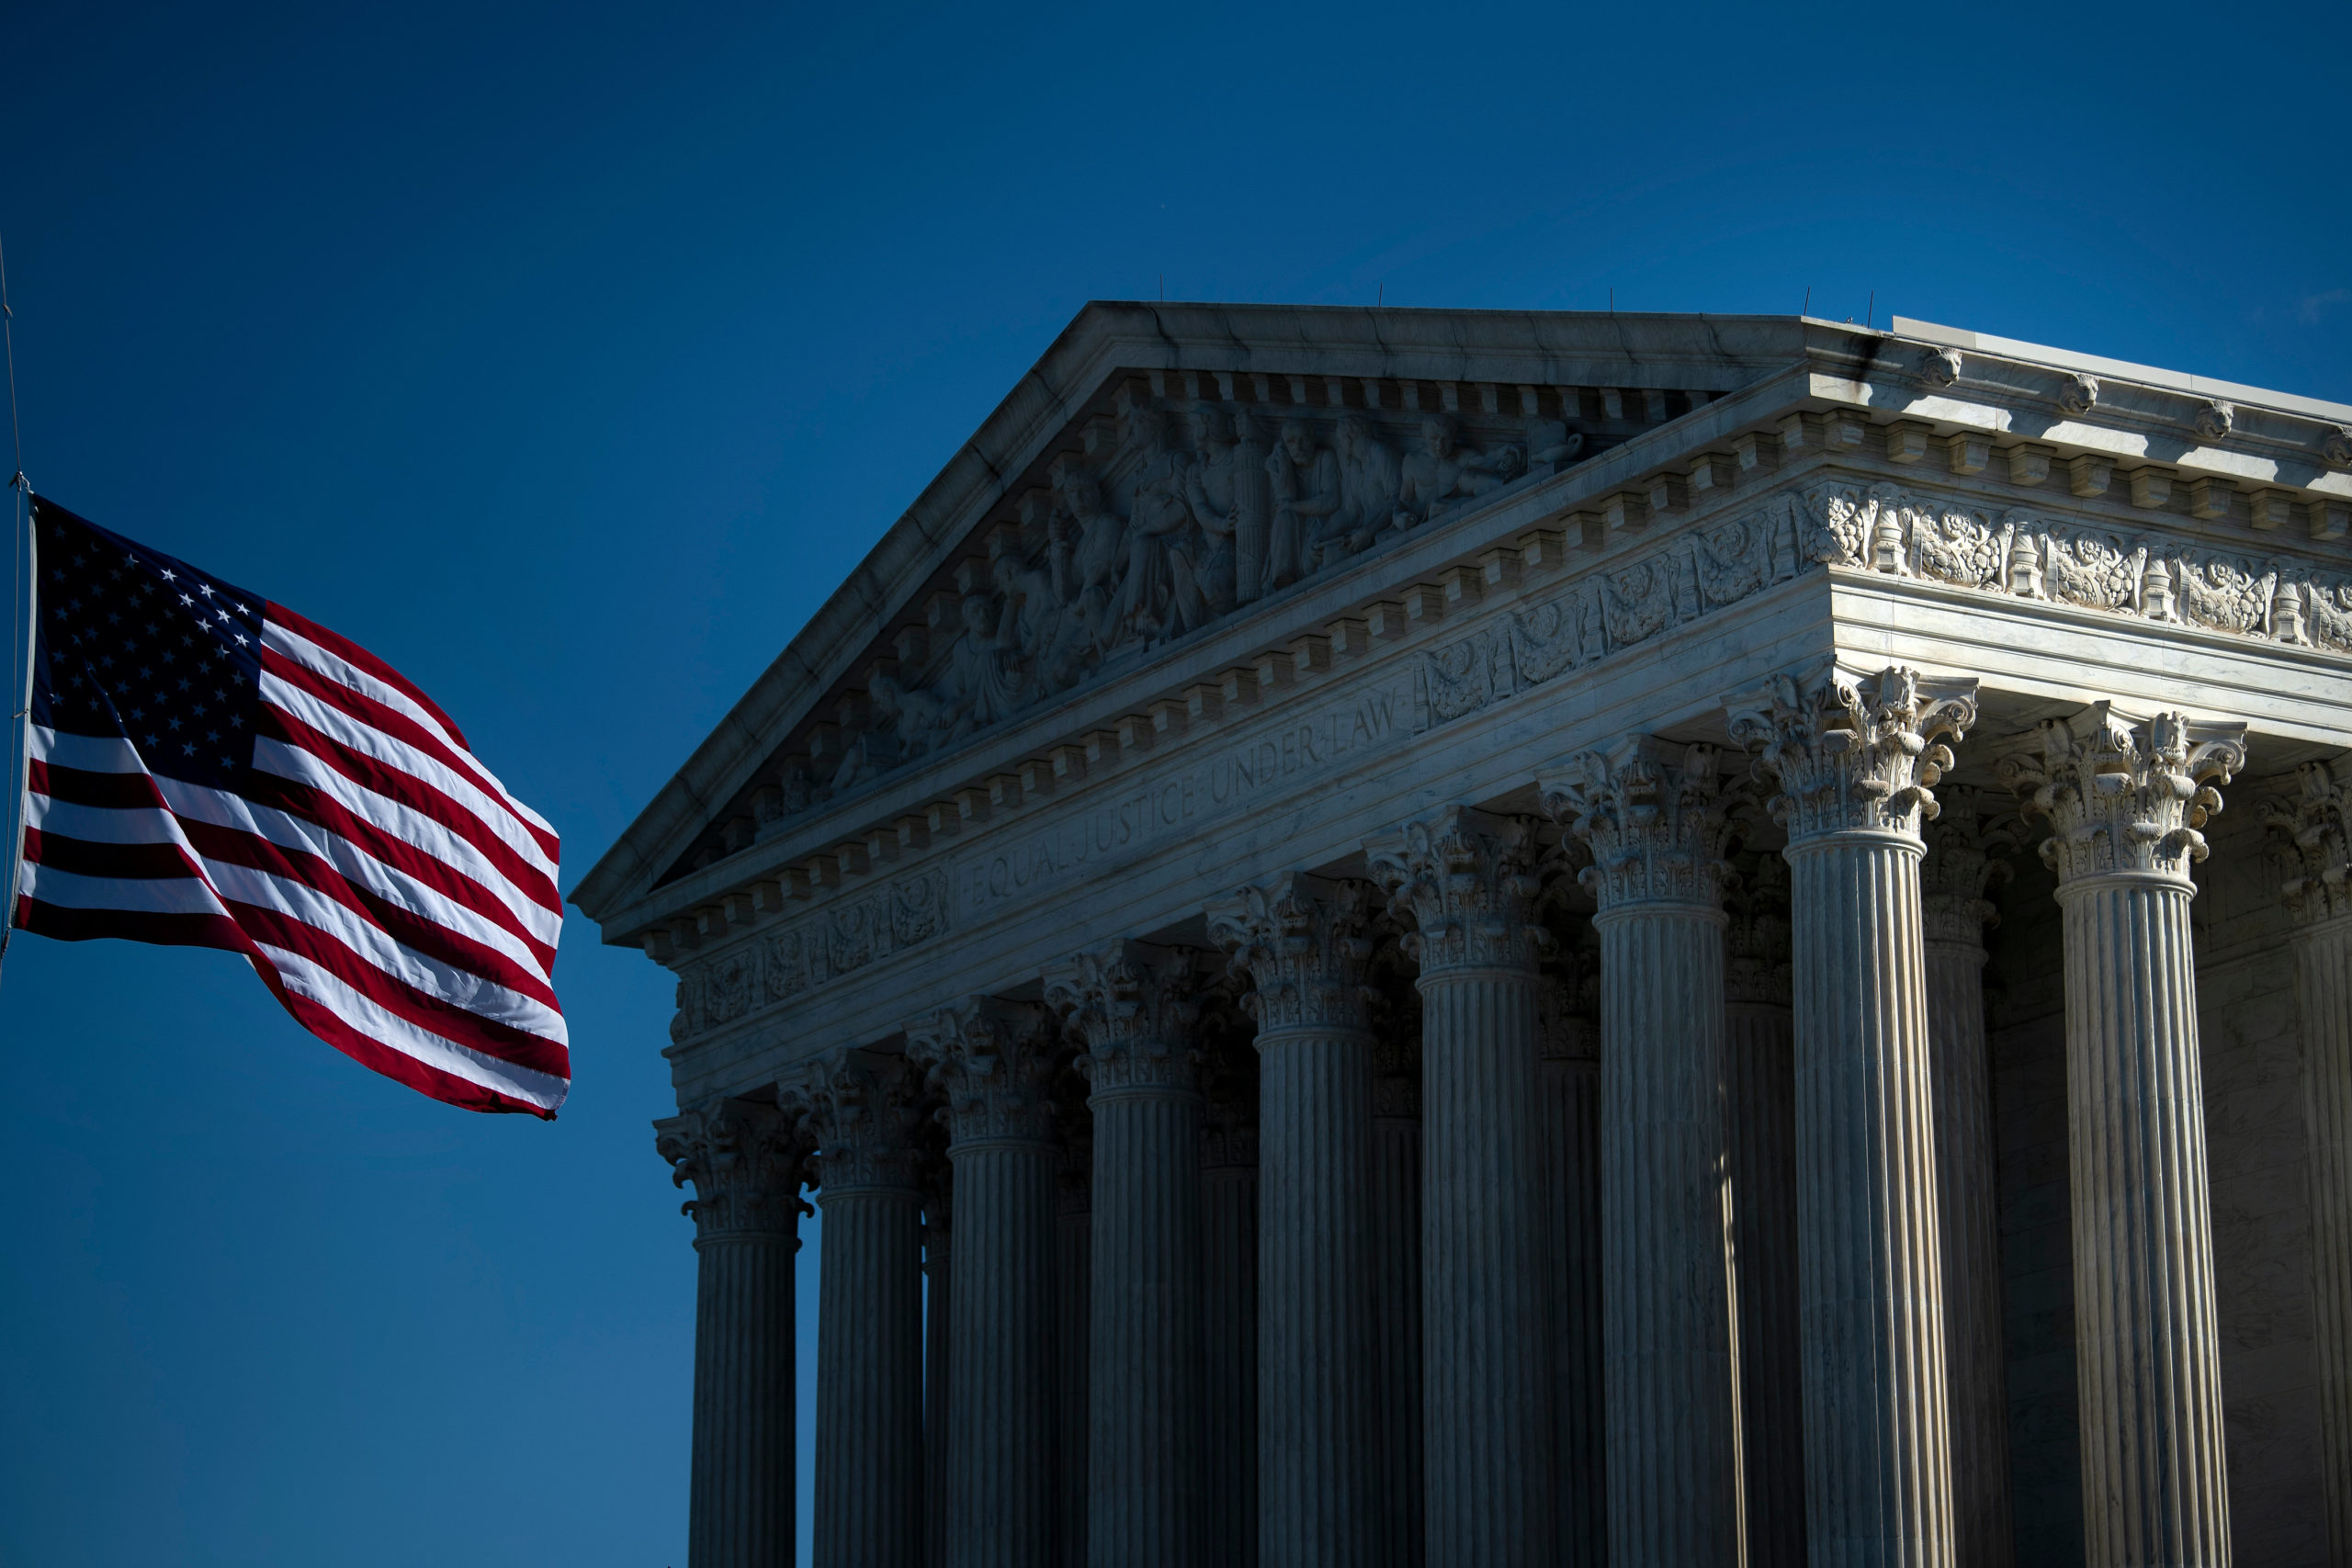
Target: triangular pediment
<point>1162,469</point>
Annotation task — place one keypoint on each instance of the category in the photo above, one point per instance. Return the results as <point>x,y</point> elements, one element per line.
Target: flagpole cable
<point>24,587</point>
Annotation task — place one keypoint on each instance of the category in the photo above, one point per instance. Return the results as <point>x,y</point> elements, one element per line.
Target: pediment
<point>1160,470</point>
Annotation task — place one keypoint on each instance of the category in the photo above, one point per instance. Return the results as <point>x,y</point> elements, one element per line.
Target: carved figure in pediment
<point>1369,477</point>
<point>1444,471</point>
<point>1160,530</point>
<point>982,681</point>
<point>1306,483</point>
<point>1088,554</point>
<point>1051,638</point>
<point>1550,443</point>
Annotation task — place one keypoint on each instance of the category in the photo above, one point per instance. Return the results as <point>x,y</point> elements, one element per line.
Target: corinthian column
<point>1653,818</point>
<point>2124,801</point>
<point>861,1111</point>
<point>2313,830</point>
<point>1854,760</point>
<point>1963,863</point>
<point>1467,879</point>
<point>1073,1291</point>
<point>1759,1065</point>
<point>992,1062</point>
<point>1568,1076</point>
<point>1131,1006</point>
<point>745,1162</point>
<point>1229,1285</point>
<point>1304,944</point>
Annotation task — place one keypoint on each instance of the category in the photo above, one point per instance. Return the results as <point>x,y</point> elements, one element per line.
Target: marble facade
<point>1539,939</point>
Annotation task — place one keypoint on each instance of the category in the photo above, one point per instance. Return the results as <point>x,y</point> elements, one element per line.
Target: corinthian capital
<point>992,1061</point>
<point>1853,753</point>
<point>745,1160</point>
<point>861,1109</point>
<point>1467,879</point>
<point>1654,816</point>
<point>1304,943</point>
<point>1133,1006</point>
<point>2122,796</point>
<point>1967,851</point>
<point>2310,829</point>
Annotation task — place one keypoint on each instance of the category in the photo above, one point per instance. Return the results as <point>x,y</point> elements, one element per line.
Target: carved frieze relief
<point>837,941</point>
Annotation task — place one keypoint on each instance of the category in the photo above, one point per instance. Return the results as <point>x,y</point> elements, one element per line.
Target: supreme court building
<point>1483,939</point>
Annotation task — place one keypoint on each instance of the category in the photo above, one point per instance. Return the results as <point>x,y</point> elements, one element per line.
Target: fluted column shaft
<point>2149,1363</point>
<point>1146,1493</point>
<point>1001,1425</point>
<point>1229,1252</point>
<point>1073,1291</point>
<point>1569,1077</point>
<point>1869,1284</point>
<point>1674,1482</point>
<point>2125,799</point>
<point>862,1109</point>
<point>1464,877</point>
<point>1144,1463</point>
<point>2323,988</point>
<point>1304,943</point>
<point>1484,1351</point>
<point>1968,1191</point>
<point>1396,1244</point>
<point>1759,1047</point>
<point>869,1379</point>
<point>745,1163</point>
<point>1317,1439</point>
<point>938,1378</point>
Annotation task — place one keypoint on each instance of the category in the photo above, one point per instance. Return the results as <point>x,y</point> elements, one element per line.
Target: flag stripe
<point>408,732</point>
<point>343,650</point>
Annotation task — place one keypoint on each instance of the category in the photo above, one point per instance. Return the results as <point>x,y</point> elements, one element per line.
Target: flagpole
<point>27,559</point>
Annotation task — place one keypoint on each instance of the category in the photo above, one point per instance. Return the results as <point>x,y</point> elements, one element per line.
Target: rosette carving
<point>1967,851</point>
<point>862,1109</point>
<point>1756,954</point>
<point>1467,879</point>
<point>1303,943</point>
<point>2310,832</point>
<point>1656,818</point>
<point>1133,1006</point>
<point>746,1162</point>
<point>2123,795</point>
<point>1853,753</point>
<point>993,1062</point>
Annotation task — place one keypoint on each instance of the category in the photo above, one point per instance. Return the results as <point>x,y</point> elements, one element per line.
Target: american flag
<point>208,769</point>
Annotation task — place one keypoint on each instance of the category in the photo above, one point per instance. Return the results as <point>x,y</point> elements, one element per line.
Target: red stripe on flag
<point>352,653</point>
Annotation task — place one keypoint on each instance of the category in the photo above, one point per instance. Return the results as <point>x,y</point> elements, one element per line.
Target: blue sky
<point>567,357</point>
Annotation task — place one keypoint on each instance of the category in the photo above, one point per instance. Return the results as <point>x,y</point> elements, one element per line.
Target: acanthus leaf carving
<point>1467,879</point>
<point>1132,1006</point>
<point>993,1061</point>
<point>1655,818</point>
<point>746,1161</point>
<point>1304,943</point>
<point>1757,940</point>
<point>2122,795</point>
<point>1849,753</point>
<point>1968,844</point>
<point>2310,832</point>
<point>863,1111</point>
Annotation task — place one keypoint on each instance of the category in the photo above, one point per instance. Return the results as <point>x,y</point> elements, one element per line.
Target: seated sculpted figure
<point>1368,484</point>
<point>1051,638</point>
<point>1088,566</point>
<point>1444,471</point>
<point>1306,492</point>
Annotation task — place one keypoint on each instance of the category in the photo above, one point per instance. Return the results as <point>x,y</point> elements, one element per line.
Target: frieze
<point>834,941</point>
<point>1223,779</point>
